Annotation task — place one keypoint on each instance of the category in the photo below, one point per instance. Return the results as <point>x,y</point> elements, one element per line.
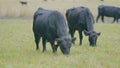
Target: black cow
<point>81,19</point>
<point>51,26</point>
<point>45,0</point>
<point>108,11</point>
<point>23,2</point>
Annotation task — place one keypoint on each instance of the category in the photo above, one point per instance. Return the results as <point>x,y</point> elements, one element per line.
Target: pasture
<point>17,46</point>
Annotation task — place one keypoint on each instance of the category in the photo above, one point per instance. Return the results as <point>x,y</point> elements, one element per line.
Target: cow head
<point>92,37</point>
<point>65,44</point>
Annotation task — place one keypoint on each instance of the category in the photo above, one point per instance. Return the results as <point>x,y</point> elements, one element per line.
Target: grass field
<point>17,46</point>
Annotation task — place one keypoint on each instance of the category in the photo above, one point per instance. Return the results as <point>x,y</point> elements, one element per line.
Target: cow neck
<point>64,37</point>
<point>62,33</point>
<point>90,28</point>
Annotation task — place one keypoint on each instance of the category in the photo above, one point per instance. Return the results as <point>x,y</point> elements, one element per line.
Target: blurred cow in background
<point>23,2</point>
<point>44,0</point>
<point>108,11</point>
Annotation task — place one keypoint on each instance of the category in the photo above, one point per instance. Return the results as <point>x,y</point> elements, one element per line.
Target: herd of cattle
<point>51,26</point>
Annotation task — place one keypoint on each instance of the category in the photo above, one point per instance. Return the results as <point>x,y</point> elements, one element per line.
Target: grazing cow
<point>51,26</point>
<point>23,2</point>
<point>108,11</point>
<point>81,19</point>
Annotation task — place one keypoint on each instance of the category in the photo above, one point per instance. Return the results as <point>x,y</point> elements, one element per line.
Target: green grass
<point>17,48</point>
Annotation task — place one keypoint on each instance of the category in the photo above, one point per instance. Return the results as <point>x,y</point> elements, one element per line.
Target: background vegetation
<point>17,46</point>
<point>12,8</point>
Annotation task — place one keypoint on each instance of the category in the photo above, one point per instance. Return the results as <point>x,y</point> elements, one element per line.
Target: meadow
<point>17,46</point>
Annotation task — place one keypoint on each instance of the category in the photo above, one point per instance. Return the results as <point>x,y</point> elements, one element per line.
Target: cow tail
<point>34,18</point>
<point>67,14</point>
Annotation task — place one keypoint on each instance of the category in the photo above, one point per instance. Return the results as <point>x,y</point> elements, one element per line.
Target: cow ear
<point>56,42</point>
<point>86,33</point>
<point>99,34</point>
<point>73,39</point>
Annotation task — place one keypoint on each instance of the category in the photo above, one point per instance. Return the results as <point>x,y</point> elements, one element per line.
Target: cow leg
<point>72,32</point>
<point>102,18</point>
<point>80,37</point>
<point>54,48</point>
<point>37,39</point>
<point>117,20</point>
<point>97,18</point>
<point>44,43</point>
<point>114,20</point>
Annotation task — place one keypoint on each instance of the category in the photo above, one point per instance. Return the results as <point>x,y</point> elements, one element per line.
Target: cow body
<point>81,19</point>
<point>51,26</point>
<point>108,11</point>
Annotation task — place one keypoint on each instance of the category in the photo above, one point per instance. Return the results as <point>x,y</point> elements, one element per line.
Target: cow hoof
<point>37,49</point>
<point>44,51</point>
<point>93,45</point>
<point>80,44</point>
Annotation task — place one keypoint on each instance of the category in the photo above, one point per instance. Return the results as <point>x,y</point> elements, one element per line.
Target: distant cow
<point>45,0</point>
<point>51,26</point>
<point>108,11</point>
<point>81,19</point>
<point>23,2</point>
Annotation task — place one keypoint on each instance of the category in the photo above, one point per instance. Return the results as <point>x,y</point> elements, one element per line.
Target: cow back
<point>109,11</point>
<point>80,18</point>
